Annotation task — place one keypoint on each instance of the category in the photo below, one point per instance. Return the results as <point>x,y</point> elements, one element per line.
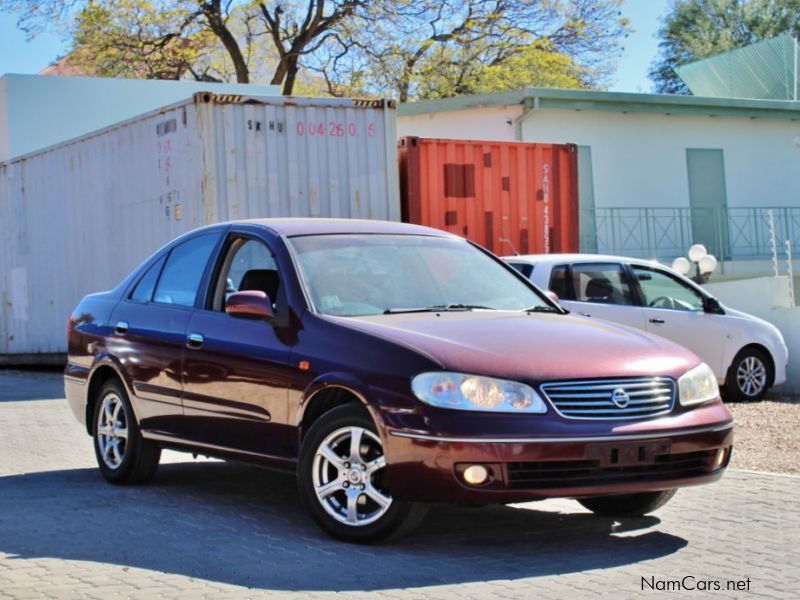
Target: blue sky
<point>20,56</point>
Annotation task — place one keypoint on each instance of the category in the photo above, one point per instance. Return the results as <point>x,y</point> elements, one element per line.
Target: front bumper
<point>636,457</point>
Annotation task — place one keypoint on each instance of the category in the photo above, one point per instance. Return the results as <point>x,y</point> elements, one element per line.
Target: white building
<point>656,172</point>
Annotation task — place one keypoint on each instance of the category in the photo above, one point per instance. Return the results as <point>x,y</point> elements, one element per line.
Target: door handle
<point>121,328</point>
<point>658,321</point>
<point>586,314</point>
<point>194,341</point>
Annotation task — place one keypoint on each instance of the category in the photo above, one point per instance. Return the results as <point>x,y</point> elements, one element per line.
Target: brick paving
<point>218,530</point>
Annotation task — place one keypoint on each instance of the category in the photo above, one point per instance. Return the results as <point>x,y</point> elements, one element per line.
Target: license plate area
<point>626,455</point>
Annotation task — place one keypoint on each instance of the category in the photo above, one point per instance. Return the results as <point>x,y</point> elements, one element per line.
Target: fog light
<point>722,454</point>
<point>476,474</point>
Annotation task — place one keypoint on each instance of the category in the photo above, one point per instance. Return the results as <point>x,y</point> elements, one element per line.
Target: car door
<point>150,331</point>
<point>675,310</point>
<point>601,290</point>
<point>236,370</point>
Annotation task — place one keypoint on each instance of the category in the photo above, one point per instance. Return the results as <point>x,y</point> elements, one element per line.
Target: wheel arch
<point>760,348</point>
<point>103,371</point>
<point>325,394</point>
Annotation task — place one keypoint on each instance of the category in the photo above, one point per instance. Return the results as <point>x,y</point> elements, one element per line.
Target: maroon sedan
<point>390,366</point>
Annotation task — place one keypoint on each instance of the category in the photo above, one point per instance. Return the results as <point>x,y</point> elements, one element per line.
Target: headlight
<point>698,385</point>
<point>473,392</point>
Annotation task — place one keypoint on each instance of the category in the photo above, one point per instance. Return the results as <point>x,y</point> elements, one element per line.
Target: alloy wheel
<point>751,376</point>
<point>112,430</point>
<point>348,473</point>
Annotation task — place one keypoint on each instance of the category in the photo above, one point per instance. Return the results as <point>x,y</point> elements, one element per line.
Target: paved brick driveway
<point>210,529</point>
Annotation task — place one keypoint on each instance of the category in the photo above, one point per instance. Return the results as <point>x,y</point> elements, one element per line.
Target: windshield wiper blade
<point>437,308</point>
<point>396,311</point>
<point>461,307</point>
<point>544,309</point>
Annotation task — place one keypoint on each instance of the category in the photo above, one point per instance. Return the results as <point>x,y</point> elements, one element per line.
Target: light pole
<point>704,263</point>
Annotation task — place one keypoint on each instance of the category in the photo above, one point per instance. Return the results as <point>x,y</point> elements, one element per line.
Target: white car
<point>748,355</point>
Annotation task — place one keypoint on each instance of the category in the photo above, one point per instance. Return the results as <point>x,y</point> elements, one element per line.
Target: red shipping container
<point>505,196</point>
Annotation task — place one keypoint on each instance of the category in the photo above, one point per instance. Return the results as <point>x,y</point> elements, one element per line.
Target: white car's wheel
<point>749,376</point>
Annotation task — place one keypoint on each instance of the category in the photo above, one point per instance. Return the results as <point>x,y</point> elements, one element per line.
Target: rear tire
<point>748,377</point>
<point>341,480</point>
<point>627,505</point>
<point>123,455</point>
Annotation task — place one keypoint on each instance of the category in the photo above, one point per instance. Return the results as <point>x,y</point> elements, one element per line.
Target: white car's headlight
<point>474,392</point>
<point>698,385</point>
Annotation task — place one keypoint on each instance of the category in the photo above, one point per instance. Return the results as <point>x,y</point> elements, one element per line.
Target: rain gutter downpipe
<point>532,106</point>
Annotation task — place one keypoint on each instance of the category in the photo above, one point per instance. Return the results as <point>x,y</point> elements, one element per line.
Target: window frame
<point>627,277</point>
<point>221,258</point>
<point>640,291</point>
<point>203,278</point>
<point>142,274</point>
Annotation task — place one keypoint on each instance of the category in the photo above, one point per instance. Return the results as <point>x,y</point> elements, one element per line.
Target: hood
<point>536,347</point>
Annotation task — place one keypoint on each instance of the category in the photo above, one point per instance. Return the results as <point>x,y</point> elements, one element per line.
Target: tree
<point>697,29</point>
<point>174,31</point>
<point>440,48</point>
<point>406,48</point>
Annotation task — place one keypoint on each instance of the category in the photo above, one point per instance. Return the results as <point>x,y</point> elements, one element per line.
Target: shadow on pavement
<point>243,526</point>
<point>19,385</point>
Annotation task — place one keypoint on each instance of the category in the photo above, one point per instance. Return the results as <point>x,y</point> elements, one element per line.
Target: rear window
<point>525,268</point>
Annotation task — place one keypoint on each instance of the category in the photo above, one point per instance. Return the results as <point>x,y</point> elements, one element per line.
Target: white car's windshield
<point>369,274</point>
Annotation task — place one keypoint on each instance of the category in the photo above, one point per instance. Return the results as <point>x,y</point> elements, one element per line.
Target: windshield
<point>355,275</point>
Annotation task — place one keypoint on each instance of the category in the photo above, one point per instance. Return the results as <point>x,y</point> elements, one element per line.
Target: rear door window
<point>559,283</point>
<point>184,270</point>
<point>598,283</point>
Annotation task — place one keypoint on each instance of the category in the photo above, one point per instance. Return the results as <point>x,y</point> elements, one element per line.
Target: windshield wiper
<point>437,308</point>
<point>544,309</point>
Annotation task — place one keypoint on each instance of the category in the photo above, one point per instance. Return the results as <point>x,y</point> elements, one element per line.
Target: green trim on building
<point>548,98</point>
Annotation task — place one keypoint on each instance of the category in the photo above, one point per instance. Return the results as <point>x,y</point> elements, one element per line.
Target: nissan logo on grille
<point>620,398</point>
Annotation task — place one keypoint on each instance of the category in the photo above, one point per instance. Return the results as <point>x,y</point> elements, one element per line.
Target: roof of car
<point>540,259</point>
<point>318,226</point>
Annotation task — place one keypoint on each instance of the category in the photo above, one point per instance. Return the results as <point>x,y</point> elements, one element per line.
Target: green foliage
<point>697,29</point>
<point>403,48</point>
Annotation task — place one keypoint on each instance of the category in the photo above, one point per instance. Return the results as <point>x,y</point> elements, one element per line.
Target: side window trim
<point>203,278</point>
<point>626,277</point>
<point>570,295</point>
<point>221,256</point>
<point>640,292</point>
<point>162,258</point>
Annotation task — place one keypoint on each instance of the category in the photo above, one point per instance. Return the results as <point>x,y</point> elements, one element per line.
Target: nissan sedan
<point>390,366</point>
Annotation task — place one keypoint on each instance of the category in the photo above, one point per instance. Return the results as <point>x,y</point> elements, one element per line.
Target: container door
<point>235,376</point>
<point>708,200</point>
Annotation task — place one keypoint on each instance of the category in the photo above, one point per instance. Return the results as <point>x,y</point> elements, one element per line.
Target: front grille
<point>612,398</point>
<point>579,473</point>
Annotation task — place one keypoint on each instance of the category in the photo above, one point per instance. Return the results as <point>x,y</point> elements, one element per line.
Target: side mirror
<point>712,305</point>
<point>252,304</point>
<point>553,296</point>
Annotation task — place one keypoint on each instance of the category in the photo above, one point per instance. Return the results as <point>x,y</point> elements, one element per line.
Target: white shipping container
<point>77,217</point>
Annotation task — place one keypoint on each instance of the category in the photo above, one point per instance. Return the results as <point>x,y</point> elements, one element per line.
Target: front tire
<point>628,505</point>
<point>123,455</point>
<point>749,376</point>
<point>341,480</point>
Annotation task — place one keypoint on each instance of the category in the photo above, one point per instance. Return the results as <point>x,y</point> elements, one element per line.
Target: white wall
<point>4,147</point>
<point>473,124</point>
<point>45,110</point>
<point>639,159</point>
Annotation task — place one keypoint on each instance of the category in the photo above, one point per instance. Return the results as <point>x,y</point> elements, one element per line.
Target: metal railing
<point>733,233</point>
